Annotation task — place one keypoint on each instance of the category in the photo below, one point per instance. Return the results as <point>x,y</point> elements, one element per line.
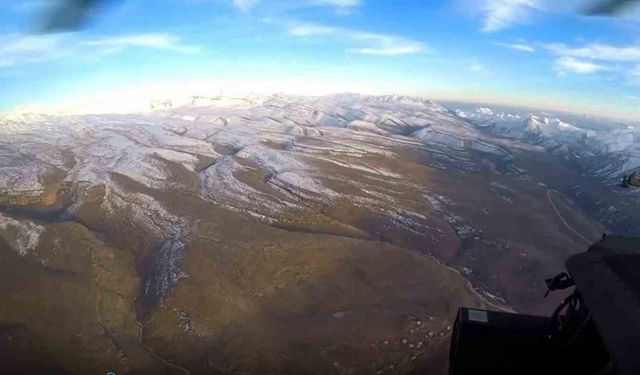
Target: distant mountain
<point>601,148</point>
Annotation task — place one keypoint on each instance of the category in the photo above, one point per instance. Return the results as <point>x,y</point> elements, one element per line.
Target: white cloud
<point>518,47</point>
<point>602,52</point>
<point>367,43</point>
<point>572,65</point>
<point>20,49</point>
<point>595,57</point>
<point>156,41</point>
<point>310,30</point>
<point>16,49</point>
<point>501,14</point>
<point>384,45</point>
<point>523,47</point>
<point>404,49</point>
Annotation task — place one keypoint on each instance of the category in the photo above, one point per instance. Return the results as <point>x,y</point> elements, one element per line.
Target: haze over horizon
<point>529,53</point>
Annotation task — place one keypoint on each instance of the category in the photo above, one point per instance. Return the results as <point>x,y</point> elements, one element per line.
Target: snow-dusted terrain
<point>281,139</point>
<point>22,235</point>
<point>271,156</point>
<point>201,225</point>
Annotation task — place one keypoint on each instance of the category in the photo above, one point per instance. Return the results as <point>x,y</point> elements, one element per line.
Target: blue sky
<point>522,52</point>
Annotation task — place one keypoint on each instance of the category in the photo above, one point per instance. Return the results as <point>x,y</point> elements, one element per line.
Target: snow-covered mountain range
<point>603,148</point>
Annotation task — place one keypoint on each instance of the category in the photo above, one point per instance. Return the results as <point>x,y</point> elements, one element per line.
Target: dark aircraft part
<point>69,15</point>
<point>595,330</point>
<point>558,282</point>
<point>610,7</point>
<point>632,179</point>
<point>500,343</point>
<point>608,279</point>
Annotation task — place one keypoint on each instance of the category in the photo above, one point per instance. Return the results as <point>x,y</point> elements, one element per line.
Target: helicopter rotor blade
<point>69,15</point>
<point>609,7</point>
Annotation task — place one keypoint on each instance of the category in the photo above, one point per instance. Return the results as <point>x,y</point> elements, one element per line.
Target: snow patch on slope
<point>22,235</point>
